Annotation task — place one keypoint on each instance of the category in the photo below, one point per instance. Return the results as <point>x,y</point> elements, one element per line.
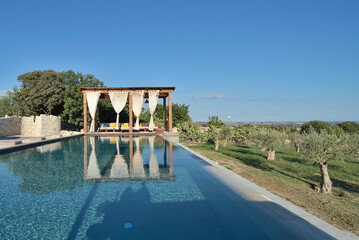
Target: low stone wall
<point>42,125</point>
<point>10,126</point>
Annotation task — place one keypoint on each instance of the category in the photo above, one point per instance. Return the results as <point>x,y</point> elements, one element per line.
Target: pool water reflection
<point>134,168</point>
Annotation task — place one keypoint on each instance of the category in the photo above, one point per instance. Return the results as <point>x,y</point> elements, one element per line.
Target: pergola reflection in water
<point>132,168</point>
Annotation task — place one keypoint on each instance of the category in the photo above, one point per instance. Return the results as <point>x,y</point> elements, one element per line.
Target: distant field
<point>295,180</point>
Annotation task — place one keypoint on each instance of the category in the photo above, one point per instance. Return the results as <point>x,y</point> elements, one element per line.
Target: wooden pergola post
<point>131,111</point>
<point>170,111</point>
<point>164,113</point>
<point>85,113</point>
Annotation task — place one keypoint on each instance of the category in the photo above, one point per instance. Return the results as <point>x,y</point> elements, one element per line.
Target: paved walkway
<point>9,143</point>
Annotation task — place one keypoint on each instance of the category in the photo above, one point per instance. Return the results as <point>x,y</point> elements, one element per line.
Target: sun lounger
<point>107,127</point>
<point>124,127</point>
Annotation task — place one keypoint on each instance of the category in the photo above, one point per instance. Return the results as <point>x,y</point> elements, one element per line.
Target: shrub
<point>318,126</point>
<point>349,127</point>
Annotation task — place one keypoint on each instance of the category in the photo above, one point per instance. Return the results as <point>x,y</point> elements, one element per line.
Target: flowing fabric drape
<point>92,101</point>
<point>92,170</point>
<point>119,167</point>
<point>137,99</point>
<point>138,169</point>
<point>152,99</point>
<point>154,168</point>
<point>118,100</point>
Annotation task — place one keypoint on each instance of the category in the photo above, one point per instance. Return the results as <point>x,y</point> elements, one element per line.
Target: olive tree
<point>296,140</point>
<point>268,139</point>
<point>324,147</point>
<point>225,134</point>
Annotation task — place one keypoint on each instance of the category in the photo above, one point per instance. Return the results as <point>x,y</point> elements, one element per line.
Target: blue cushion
<point>105,125</point>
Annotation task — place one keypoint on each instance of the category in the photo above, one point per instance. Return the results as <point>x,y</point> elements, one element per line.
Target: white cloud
<point>3,93</point>
<point>213,95</point>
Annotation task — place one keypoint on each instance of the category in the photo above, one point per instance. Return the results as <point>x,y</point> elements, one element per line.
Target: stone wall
<point>30,126</point>
<point>50,125</point>
<point>10,126</point>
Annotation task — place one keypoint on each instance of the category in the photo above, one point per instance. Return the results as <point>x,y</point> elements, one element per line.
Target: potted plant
<point>160,128</point>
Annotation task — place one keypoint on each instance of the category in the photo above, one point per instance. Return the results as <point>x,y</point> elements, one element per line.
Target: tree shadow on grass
<point>254,159</point>
<point>251,150</point>
<point>292,159</point>
<point>249,158</point>
<point>346,186</point>
<point>349,187</point>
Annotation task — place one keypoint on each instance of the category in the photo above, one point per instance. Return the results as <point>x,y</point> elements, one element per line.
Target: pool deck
<point>286,214</point>
<point>11,143</point>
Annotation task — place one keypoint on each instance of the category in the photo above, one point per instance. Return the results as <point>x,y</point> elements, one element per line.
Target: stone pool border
<point>35,143</point>
<point>232,179</point>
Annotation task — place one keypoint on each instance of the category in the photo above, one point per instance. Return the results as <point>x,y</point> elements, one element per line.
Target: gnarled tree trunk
<point>225,142</point>
<point>217,143</point>
<point>326,186</point>
<point>271,154</point>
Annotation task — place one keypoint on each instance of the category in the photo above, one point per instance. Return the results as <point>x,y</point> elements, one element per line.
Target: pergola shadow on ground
<point>163,92</point>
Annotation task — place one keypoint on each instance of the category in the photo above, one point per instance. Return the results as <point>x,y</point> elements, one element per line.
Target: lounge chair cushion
<point>112,125</point>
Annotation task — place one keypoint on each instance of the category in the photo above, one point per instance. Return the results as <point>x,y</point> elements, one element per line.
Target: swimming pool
<point>126,188</point>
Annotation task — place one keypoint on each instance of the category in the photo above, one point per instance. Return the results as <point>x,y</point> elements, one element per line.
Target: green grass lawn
<point>295,179</point>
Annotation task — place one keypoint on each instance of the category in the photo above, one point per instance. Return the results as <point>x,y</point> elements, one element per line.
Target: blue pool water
<point>122,188</point>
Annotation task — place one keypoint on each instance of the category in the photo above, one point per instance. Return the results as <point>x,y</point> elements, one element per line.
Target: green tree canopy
<point>5,106</point>
<point>40,92</point>
<point>214,121</point>
<point>349,127</point>
<point>73,107</point>
<point>318,126</point>
<point>324,147</point>
<point>268,139</point>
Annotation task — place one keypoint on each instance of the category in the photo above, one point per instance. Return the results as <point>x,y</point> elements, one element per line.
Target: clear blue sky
<point>253,60</point>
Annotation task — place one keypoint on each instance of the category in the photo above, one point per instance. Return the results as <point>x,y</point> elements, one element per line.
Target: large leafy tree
<point>73,107</point>
<point>349,127</point>
<point>318,126</point>
<point>5,106</point>
<point>40,92</point>
<point>180,114</point>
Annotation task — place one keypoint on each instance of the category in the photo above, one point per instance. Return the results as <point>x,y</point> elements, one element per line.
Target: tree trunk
<point>217,143</point>
<point>326,186</point>
<point>225,142</point>
<point>271,155</point>
<point>297,149</point>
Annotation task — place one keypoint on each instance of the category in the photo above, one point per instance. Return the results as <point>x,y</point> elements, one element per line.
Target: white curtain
<point>119,167</point>
<point>138,169</point>
<point>118,100</point>
<point>137,99</point>
<point>154,168</point>
<point>92,101</point>
<point>92,170</point>
<point>153,99</point>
